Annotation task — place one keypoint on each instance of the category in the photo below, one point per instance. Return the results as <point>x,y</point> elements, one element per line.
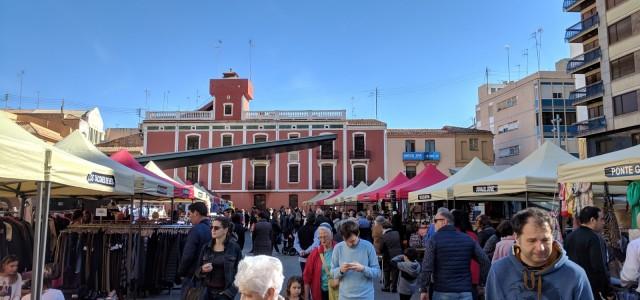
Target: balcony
<point>360,154</point>
<point>585,62</point>
<point>556,103</point>
<point>576,5</point>
<point>178,115</point>
<point>327,155</point>
<point>571,130</point>
<point>588,94</point>
<point>258,185</point>
<point>421,156</point>
<point>263,158</point>
<point>592,126</point>
<point>295,115</point>
<point>327,185</point>
<point>582,30</point>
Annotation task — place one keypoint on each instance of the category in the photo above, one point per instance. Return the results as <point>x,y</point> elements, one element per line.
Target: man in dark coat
<point>199,235</point>
<point>390,247</point>
<point>586,248</point>
<point>263,235</point>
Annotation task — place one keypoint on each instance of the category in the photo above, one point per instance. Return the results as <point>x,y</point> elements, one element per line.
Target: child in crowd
<point>295,288</point>
<point>409,268</point>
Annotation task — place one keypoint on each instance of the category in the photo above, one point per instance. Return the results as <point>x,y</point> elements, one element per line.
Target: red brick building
<point>358,153</point>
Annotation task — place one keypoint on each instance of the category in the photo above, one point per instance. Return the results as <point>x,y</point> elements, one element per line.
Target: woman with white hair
<point>260,278</point>
<point>317,274</point>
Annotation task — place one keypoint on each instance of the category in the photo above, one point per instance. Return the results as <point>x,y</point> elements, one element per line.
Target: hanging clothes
<point>570,198</point>
<point>633,197</point>
<point>16,238</point>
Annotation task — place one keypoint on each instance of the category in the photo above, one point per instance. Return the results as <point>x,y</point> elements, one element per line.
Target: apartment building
<point>609,35</point>
<point>411,150</point>
<point>523,114</point>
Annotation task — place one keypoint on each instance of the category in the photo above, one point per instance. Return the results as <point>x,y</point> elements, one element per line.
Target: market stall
<point>342,199</point>
<point>378,183</point>
<point>380,193</point>
<point>428,177</point>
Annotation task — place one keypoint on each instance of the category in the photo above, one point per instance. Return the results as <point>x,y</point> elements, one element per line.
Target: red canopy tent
<point>378,194</point>
<point>428,177</point>
<point>321,201</point>
<point>125,158</point>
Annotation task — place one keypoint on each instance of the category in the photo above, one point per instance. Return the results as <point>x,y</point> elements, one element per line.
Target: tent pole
<point>171,212</point>
<point>40,235</point>
<point>130,254</point>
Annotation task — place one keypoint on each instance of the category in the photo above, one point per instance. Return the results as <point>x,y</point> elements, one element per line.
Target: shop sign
<point>162,190</point>
<point>97,178</point>
<point>623,170</point>
<point>424,197</point>
<point>101,212</point>
<point>413,156</point>
<point>493,188</point>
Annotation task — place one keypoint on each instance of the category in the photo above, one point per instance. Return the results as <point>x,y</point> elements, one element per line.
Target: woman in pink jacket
<point>507,239</point>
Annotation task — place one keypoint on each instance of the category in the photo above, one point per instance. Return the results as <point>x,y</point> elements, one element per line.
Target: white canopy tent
<point>317,197</point>
<point>534,174</point>
<point>443,190</point>
<point>374,186</point>
<point>334,199</point>
<point>622,165</point>
<point>140,183</point>
<point>354,192</point>
<point>29,166</point>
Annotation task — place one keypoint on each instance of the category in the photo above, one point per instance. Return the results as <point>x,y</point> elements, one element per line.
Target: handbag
<point>195,292</point>
<point>334,284</point>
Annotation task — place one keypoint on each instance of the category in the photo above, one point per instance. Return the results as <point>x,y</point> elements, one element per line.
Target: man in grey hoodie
<point>538,268</point>
<point>409,268</point>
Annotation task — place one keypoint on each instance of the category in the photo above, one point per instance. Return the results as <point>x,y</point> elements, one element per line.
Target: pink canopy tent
<point>125,158</point>
<point>321,201</point>
<point>378,194</point>
<point>428,177</point>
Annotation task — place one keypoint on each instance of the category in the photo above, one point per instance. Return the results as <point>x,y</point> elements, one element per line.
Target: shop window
<point>625,103</point>
<point>623,66</point>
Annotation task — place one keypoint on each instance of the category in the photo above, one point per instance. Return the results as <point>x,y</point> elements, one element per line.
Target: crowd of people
<point>343,253</point>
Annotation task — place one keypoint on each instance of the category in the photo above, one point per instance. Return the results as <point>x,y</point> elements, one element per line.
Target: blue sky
<point>426,57</point>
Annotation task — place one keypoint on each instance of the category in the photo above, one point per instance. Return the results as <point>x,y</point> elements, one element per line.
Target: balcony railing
<point>581,27</point>
<point>591,125</point>
<point>360,154</point>
<point>179,115</point>
<point>264,157</point>
<point>570,129</point>
<point>327,155</point>
<point>583,60</point>
<point>583,94</point>
<point>259,185</point>
<point>327,185</point>
<point>421,156</point>
<point>296,115</point>
<point>573,5</point>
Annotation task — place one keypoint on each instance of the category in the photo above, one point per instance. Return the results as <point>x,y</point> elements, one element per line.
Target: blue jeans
<point>452,296</point>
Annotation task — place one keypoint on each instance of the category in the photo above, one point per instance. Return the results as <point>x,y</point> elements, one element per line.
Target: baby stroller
<point>287,247</point>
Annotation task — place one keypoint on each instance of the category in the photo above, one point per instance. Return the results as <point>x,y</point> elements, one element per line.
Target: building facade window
<point>225,174</point>
<point>511,102</point>
<point>260,177</point>
<point>294,135</point>
<point>193,142</point>
<point>358,144</point>
<point>625,103</point>
<point>192,174</point>
<point>473,144</point>
<point>604,146</point>
<point>623,66</point>
<point>595,111</point>
<point>227,140</point>
<point>635,139</point>
<point>409,146</point>
<point>620,30</point>
<point>294,173</point>
<point>326,150</point>
<point>509,151</point>
<point>259,138</point>
<point>359,174</point>
<point>228,109</point>
<point>410,171</point>
<point>326,176</point>
<point>557,95</point>
<point>511,126</point>
<point>613,3</point>
<point>429,145</point>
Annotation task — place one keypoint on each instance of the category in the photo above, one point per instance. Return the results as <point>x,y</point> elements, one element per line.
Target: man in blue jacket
<point>538,268</point>
<point>199,235</point>
<point>446,268</point>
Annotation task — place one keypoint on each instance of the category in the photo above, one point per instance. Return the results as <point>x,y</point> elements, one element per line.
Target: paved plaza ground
<point>291,268</point>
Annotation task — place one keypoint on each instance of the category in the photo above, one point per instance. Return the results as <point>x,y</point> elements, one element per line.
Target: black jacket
<point>586,248</point>
<point>391,245</point>
<point>263,238</point>
<point>232,256</point>
<point>239,230</point>
<point>485,234</point>
<point>198,236</point>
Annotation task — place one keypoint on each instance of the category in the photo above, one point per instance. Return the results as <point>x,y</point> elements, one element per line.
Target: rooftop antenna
<point>525,53</point>
<point>353,107</point>
<point>537,35</point>
<point>218,53</point>
<point>21,75</point>
<point>250,49</point>
<point>508,48</point>
<point>146,98</point>
<point>375,94</point>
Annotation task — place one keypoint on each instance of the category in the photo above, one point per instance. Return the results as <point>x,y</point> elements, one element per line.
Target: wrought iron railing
<point>581,26</point>
<point>587,92</point>
<point>583,59</point>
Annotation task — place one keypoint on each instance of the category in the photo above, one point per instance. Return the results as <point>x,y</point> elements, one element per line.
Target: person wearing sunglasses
<point>219,261</point>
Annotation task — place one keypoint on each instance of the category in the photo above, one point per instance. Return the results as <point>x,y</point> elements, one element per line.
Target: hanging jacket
<point>510,279</point>
<point>633,197</point>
